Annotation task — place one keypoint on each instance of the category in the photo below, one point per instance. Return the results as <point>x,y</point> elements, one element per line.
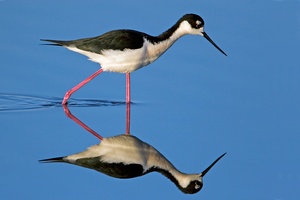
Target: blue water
<point>192,104</point>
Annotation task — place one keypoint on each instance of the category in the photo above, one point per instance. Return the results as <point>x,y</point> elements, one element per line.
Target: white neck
<point>155,50</point>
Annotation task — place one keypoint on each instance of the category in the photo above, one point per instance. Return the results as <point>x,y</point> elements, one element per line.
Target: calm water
<point>193,104</point>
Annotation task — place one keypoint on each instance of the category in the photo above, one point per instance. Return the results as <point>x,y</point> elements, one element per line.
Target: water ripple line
<point>22,102</point>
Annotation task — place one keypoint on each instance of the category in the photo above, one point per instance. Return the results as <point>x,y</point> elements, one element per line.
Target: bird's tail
<point>55,42</point>
<point>50,160</point>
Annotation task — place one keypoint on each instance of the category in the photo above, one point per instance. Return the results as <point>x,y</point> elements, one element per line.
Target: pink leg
<point>127,87</point>
<point>85,81</point>
<point>128,103</point>
<point>128,118</point>
<point>69,114</point>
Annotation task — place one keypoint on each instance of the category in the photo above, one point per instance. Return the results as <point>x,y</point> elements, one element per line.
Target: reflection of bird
<point>125,51</point>
<point>126,156</point>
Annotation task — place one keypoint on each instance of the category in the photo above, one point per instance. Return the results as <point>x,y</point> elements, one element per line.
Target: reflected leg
<point>128,118</point>
<point>69,114</point>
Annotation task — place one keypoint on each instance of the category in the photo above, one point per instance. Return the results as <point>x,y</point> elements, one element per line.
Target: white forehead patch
<point>197,186</point>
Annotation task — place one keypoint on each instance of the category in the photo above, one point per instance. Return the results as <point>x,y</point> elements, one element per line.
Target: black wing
<point>117,170</point>
<point>114,40</point>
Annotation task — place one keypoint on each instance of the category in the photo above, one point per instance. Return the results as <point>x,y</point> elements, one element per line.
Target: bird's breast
<point>125,61</point>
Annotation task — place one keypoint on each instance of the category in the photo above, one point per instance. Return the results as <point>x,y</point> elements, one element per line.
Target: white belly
<point>126,61</point>
<point>123,61</point>
<point>124,149</point>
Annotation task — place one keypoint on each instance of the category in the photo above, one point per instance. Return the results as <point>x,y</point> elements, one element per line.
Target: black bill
<point>212,42</point>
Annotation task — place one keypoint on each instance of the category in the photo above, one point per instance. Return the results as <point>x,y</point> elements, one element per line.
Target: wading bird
<point>126,156</point>
<point>125,51</point>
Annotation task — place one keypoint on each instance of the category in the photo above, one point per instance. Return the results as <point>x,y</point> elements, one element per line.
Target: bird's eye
<point>198,24</point>
<point>197,186</point>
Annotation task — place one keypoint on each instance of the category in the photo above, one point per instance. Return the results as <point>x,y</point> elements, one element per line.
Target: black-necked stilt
<point>125,51</point>
<point>126,156</point>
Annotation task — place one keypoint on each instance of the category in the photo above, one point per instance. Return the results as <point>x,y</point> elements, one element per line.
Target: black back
<point>114,40</point>
<point>117,170</point>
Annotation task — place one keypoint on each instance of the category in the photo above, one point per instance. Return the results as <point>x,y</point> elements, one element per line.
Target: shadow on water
<point>23,102</point>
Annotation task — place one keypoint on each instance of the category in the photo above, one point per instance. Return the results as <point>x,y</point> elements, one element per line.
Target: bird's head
<point>195,182</point>
<point>194,24</point>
